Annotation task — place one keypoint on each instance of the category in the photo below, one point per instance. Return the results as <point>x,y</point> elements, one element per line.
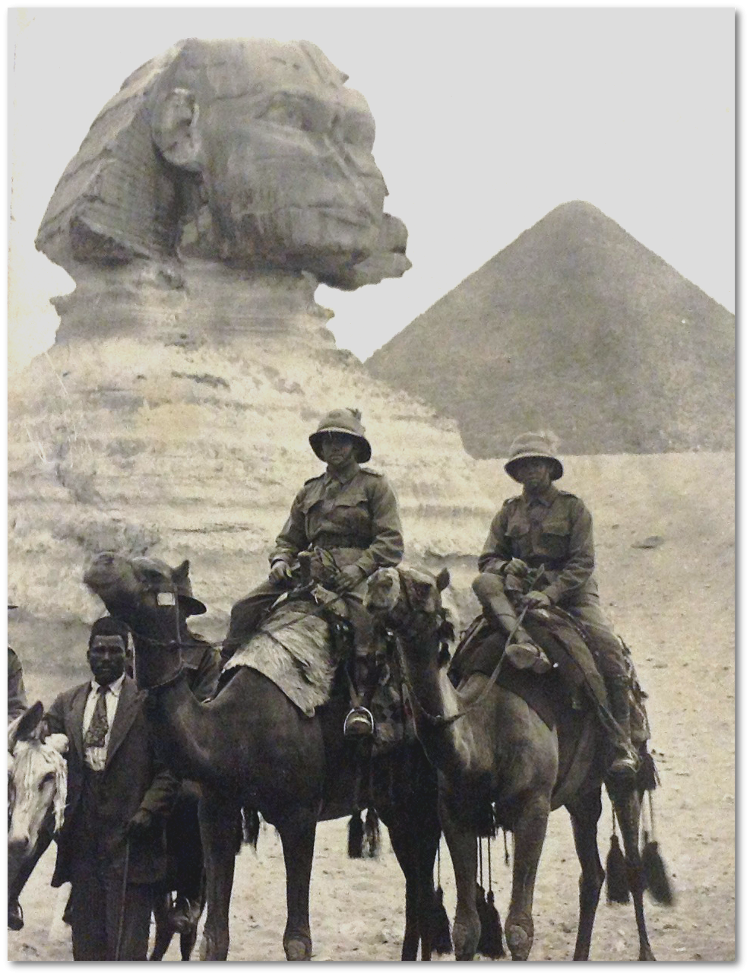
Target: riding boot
<point>625,761</point>
<point>522,652</point>
<point>359,721</point>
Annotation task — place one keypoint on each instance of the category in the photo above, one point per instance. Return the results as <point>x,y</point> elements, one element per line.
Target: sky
<point>487,119</point>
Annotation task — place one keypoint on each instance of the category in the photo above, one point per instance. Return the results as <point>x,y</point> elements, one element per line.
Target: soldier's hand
<point>140,824</point>
<point>516,567</point>
<point>535,598</point>
<point>279,571</point>
<point>347,578</point>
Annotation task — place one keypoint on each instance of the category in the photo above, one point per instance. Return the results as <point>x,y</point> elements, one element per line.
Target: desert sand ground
<point>673,601</point>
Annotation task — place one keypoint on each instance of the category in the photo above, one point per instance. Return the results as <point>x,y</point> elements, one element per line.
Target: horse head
<point>37,784</point>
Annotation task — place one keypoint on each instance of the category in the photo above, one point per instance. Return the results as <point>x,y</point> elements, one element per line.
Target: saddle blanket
<point>292,648</point>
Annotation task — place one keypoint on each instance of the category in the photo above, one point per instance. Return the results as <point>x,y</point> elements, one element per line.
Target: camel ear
<point>443,579</point>
<point>182,572</point>
<point>174,129</point>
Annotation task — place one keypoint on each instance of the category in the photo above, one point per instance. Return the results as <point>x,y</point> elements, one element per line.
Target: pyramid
<point>576,329</point>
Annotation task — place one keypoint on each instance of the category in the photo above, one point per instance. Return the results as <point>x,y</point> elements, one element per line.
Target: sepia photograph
<point>371,483</point>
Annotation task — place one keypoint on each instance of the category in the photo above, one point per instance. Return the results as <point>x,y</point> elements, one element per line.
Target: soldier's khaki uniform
<point>555,530</point>
<point>353,516</point>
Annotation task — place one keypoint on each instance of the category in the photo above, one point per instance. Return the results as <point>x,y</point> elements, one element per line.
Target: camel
<point>490,747</point>
<point>250,747</point>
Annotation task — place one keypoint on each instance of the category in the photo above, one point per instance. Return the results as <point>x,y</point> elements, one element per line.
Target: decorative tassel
<point>442,944</point>
<point>483,919</point>
<point>657,880</point>
<point>356,834</point>
<point>250,826</point>
<point>372,834</point>
<point>618,889</point>
<point>491,938</point>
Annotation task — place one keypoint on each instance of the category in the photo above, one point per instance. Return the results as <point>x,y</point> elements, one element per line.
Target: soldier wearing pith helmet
<point>548,527</point>
<point>349,511</point>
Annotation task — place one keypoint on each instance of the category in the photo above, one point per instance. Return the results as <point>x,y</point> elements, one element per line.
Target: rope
<point>449,719</point>
<point>505,845</point>
<point>489,864</point>
<point>481,867</point>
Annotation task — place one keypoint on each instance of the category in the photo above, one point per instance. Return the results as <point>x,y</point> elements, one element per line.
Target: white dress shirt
<point>96,757</point>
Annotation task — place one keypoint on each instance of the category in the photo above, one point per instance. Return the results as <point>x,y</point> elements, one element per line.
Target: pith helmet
<point>344,420</point>
<point>531,445</point>
<point>184,590</point>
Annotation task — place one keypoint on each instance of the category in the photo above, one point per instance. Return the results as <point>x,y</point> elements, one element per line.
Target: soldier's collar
<point>344,476</point>
<point>546,497</point>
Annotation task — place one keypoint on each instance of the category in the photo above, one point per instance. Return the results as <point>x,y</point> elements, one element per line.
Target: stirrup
<point>359,722</point>
<point>525,656</point>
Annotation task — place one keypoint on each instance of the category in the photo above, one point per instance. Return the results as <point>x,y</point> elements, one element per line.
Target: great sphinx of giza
<point>213,194</point>
<point>219,159</point>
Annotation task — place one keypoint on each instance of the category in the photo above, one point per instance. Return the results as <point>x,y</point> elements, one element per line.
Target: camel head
<point>408,601</point>
<point>135,582</point>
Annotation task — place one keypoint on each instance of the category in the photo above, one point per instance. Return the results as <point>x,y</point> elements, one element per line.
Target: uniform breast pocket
<point>352,511</point>
<point>554,540</point>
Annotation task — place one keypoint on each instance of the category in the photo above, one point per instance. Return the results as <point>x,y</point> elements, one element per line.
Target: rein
<point>443,720</point>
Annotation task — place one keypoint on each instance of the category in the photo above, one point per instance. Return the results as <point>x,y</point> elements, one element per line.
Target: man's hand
<point>536,598</point>
<point>139,825</point>
<point>347,578</point>
<point>279,571</point>
<point>516,567</point>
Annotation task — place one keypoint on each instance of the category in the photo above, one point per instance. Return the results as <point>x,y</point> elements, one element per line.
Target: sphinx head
<point>249,152</point>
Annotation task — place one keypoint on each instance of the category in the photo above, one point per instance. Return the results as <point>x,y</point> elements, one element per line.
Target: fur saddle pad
<point>292,647</point>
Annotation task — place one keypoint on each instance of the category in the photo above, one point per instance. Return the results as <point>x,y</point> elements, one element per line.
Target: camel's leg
<point>415,846</point>
<point>219,816</point>
<point>187,942</point>
<point>528,837</point>
<point>163,932</point>
<point>297,830</point>
<point>462,844</point>
<point>584,815</point>
<point>627,803</point>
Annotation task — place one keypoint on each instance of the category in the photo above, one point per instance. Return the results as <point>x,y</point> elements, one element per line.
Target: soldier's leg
<point>522,651</point>
<point>610,658</point>
<point>247,614</point>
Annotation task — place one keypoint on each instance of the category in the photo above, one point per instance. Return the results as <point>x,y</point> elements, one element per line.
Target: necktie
<point>97,731</point>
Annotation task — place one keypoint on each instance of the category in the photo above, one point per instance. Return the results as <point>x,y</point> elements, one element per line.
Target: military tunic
<point>355,511</point>
<point>353,514</point>
<point>555,530</point>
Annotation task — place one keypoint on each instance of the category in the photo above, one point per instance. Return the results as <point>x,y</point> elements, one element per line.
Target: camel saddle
<point>308,636</point>
<point>575,672</point>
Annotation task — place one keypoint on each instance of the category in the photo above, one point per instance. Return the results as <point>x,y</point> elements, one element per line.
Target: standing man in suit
<point>112,846</point>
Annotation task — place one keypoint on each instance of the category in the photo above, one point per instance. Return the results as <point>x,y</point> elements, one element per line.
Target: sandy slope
<point>674,604</point>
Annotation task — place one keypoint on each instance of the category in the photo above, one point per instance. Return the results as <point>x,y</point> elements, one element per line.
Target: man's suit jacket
<point>133,779</point>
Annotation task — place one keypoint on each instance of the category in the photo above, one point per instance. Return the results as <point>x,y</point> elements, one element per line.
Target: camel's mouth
<point>383,591</point>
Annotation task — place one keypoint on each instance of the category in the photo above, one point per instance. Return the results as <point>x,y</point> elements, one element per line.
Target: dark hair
<point>109,627</point>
